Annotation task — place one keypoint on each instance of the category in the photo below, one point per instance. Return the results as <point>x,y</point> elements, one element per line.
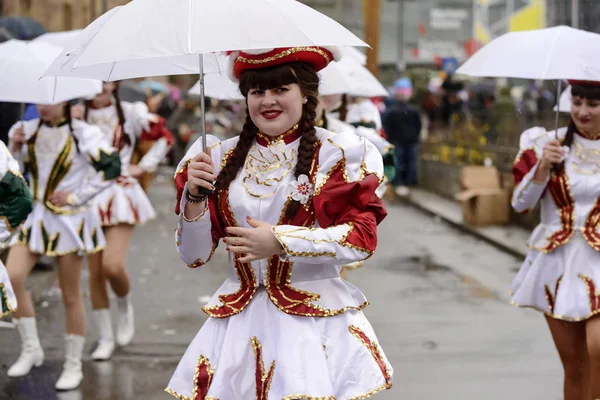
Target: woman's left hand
<point>60,199</point>
<point>254,243</point>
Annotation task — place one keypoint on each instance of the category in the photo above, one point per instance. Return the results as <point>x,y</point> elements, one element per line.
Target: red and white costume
<point>125,201</point>
<point>560,274</point>
<point>287,327</point>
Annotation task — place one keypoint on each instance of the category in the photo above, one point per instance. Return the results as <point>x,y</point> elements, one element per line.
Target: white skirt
<point>124,202</point>
<point>562,283</point>
<point>56,235</point>
<point>8,300</point>
<point>265,353</point>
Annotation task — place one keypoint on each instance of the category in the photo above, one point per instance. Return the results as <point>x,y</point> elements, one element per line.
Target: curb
<point>462,227</point>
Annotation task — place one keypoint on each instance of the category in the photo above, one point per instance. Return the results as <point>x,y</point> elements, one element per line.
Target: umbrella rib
<point>189,35</point>
<point>112,67</point>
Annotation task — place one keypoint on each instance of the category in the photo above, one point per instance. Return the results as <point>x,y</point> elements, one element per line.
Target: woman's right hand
<point>201,173</point>
<point>552,154</point>
<point>18,138</point>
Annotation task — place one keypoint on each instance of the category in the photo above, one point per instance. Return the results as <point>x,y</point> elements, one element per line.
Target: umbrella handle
<point>203,191</point>
<point>558,87</point>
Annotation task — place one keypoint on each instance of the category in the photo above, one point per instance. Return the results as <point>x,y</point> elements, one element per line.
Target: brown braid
<point>306,150</point>
<point>238,156</point>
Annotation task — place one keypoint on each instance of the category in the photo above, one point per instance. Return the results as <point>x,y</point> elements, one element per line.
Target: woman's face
<point>275,111</point>
<point>51,112</point>
<point>107,90</point>
<point>586,115</point>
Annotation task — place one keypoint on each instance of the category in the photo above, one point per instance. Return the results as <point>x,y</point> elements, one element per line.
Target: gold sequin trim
<point>4,294</point>
<point>9,227</point>
<point>272,140</point>
<point>266,378</point>
<point>284,53</point>
<point>194,219</point>
<point>182,397</point>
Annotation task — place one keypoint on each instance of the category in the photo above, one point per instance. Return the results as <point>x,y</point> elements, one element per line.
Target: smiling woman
<point>560,276</point>
<point>293,203</point>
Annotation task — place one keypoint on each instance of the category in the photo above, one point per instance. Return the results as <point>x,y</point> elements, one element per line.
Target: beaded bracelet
<point>194,199</point>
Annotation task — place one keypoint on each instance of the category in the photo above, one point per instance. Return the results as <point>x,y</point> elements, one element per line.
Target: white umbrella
<point>560,52</point>
<point>20,76</point>
<point>564,103</point>
<point>9,48</point>
<point>349,77</point>
<point>219,87</point>
<point>355,54</point>
<point>156,34</point>
<point>64,65</point>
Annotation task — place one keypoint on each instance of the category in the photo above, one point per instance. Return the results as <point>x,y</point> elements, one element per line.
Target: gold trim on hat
<point>285,53</point>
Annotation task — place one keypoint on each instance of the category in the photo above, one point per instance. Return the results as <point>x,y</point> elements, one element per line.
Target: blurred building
<point>59,15</point>
<point>424,31</point>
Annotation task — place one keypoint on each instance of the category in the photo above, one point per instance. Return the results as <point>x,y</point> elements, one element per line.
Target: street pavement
<point>438,304</point>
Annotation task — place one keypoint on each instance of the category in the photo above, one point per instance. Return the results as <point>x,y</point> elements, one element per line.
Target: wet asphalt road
<point>447,336</point>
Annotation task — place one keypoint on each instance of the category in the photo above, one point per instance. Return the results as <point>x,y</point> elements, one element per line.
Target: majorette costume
<point>287,327</point>
<point>385,148</point>
<point>15,206</point>
<point>560,275</point>
<point>125,202</point>
<point>59,160</point>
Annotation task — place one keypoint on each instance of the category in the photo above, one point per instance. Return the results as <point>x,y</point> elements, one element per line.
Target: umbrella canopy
<point>167,37</point>
<point>564,103</point>
<point>218,87</point>
<point>23,28</point>
<point>355,54</point>
<point>347,76</point>
<point>59,39</point>
<point>560,52</point>
<point>22,64</point>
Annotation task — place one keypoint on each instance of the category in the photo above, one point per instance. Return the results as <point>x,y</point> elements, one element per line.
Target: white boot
<point>125,323</point>
<point>32,354</point>
<point>106,340</point>
<point>72,374</point>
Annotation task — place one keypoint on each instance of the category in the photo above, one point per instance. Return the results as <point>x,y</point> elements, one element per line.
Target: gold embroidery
<point>226,157</point>
<point>182,168</point>
<point>4,295</point>
<point>262,392</point>
<point>267,171</point>
<point>284,53</point>
<point>323,312</point>
<point>9,227</point>
<point>373,348</point>
<point>272,140</point>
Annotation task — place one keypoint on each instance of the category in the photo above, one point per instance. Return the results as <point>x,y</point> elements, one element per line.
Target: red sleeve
<point>217,224</point>
<point>157,131</point>
<point>340,203</point>
<point>524,163</point>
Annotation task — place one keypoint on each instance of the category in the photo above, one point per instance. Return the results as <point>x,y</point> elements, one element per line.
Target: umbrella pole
<point>202,115</point>
<point>202,103</point>
<point>557,108</point>
<point>22,112</point>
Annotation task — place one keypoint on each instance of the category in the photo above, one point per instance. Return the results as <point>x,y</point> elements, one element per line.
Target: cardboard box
<point>484,200</point>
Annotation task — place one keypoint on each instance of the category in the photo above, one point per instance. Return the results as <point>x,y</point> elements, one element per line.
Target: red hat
<point>317,57</point>
<point>589,83</point>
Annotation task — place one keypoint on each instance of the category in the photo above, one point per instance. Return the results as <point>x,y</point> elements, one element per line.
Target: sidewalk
<point>512,239</point>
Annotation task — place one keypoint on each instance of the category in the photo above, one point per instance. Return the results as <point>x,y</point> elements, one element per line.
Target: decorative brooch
<point>302,189</point>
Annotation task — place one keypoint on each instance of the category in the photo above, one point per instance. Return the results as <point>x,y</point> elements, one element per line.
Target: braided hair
<point>270,78</point>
